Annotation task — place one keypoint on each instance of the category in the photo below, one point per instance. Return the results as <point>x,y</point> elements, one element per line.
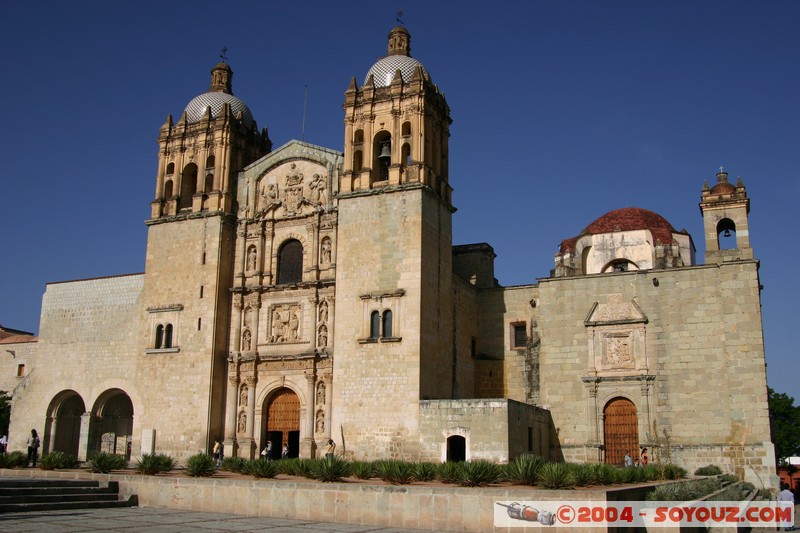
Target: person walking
<point>786,496</point>
<point>33,447</point>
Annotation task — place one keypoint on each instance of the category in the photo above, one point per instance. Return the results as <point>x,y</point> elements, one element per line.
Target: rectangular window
<point>20,371</point>
<point>530,439</point>
<point>519,335</point>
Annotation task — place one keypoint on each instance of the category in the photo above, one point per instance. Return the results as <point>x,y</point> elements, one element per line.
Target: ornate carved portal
<point>620,430</point>
<point>282,424</point>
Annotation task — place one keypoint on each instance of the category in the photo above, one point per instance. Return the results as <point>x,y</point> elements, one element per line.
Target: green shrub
<point>260,469</point>
<point>297,467</point>
<point>479,474</point>
<point>53,460</point>
<point>556,476</point>
<point>201,465</point>
<point>13,460</point>
<point>362,470</point>
<point>584,474</point>
<point>425,471</point>
<point>604,474</point>
<point>103,463</point>
<point>710,470</point>
<point>152,464</point>
<point>451,472</point>
<point>233,464</point>
<point>524,470</point>
<point>395,472</point>
<point>331,469</point>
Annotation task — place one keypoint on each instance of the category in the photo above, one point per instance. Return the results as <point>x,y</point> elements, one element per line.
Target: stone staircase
<point>30,494</point>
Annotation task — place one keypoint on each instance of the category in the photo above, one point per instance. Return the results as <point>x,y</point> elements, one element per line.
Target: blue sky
<point>563,110</point>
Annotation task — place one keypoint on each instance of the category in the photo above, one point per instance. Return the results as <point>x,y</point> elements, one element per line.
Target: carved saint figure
<point>326,250</point>
<point>294,323</point>
<point>277,327</point>
<point>251,258</point>
<point>294,197</point>
<point>323,312</point>
<point>246,337</point>
<point>319,190</point>
<point>243,396</point>
<point>242,422</point>
<point>321,393</point>
<point>322,339</point>
<point>320,422</point>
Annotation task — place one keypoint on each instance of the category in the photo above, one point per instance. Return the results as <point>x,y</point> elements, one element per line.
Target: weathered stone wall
<point>496,430</point>
<point>87,345</point>
<point>699,374</point>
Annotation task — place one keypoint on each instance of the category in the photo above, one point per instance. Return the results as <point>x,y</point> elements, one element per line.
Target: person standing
<point>786,496</point>
<point>331,449</point>
<point>33,447</point>
<point>285,451</point>
<point>644,457</point>
<point>3,444</point>
<point>628,460</point>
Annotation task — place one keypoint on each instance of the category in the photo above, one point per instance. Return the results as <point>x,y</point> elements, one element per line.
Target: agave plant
<point>233,464</point>
<point>451,472</point>
<point>556,476</point>
<point>524,470</point>
<point>103,462</point>
<point>395,472</point>
<point>260,469</point>
<point>362,470</point>
<point>479,474</point>
<point>15,459</point>
<point>152,464</point>
<point>710,470</point>
<point>201,465</point>
<point>56,459</point>
<point>425,471</point>
<point>331,469</point>
<point>584,474</point>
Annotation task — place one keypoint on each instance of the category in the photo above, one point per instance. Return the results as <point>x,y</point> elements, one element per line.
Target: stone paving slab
<point>153,520</point>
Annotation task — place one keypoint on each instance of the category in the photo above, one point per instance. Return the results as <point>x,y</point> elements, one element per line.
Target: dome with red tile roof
<point>627,219</point>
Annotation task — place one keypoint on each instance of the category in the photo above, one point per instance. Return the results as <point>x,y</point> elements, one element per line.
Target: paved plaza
<point>154,520</point>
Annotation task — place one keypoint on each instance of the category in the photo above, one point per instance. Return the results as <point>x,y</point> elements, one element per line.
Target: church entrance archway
<point>620,430</point>
<point>282,424</point>
<point>456,448</point>
<point>111,428</point>
<point>63,430</point>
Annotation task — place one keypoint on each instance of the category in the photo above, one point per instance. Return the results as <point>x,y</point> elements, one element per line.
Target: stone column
<point>231,397</point>
<point>83,438</point>
<point>249,445</point>
<point>307,445</point>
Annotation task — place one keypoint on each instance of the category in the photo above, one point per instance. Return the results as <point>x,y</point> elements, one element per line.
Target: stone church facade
<point>302,294</point>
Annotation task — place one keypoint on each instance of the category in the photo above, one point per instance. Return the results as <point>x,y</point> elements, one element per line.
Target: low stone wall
<point>425,507</point>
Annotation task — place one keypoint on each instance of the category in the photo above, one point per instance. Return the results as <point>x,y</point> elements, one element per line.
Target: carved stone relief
<point>284,323</point>
<point>617,350</point>
<point>242,425</point>
<point>246,340</point>
<point>243,396</point>
<point>320,425</point>
<point>321,393</point>
<point>325,251</point>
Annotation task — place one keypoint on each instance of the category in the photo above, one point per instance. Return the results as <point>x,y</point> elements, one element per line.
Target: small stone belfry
<point>396,125</point>
<point>725,208</point>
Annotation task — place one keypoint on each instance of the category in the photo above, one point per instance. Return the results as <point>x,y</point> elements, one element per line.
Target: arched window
<point>726,234</point>
<point>406,130</point>
<point>167,336</point>
<point>387,323</point>
<point>170,169</point>
<point>358,162</point>
<point>620,265</point>
<point>168,190</point>
<point>381,156</point>
<point>188,186</point>
<point>209,185</point>
<point>159,336</point>
<point>375,325</point>
<point>406,155</point>
<point>358,137</point>
<point>290,262</point>
<point>210,161</point>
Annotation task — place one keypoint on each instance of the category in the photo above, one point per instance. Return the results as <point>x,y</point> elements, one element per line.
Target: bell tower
<point>725,208</point>
<point>394,319</point>
<point>189,263</point>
